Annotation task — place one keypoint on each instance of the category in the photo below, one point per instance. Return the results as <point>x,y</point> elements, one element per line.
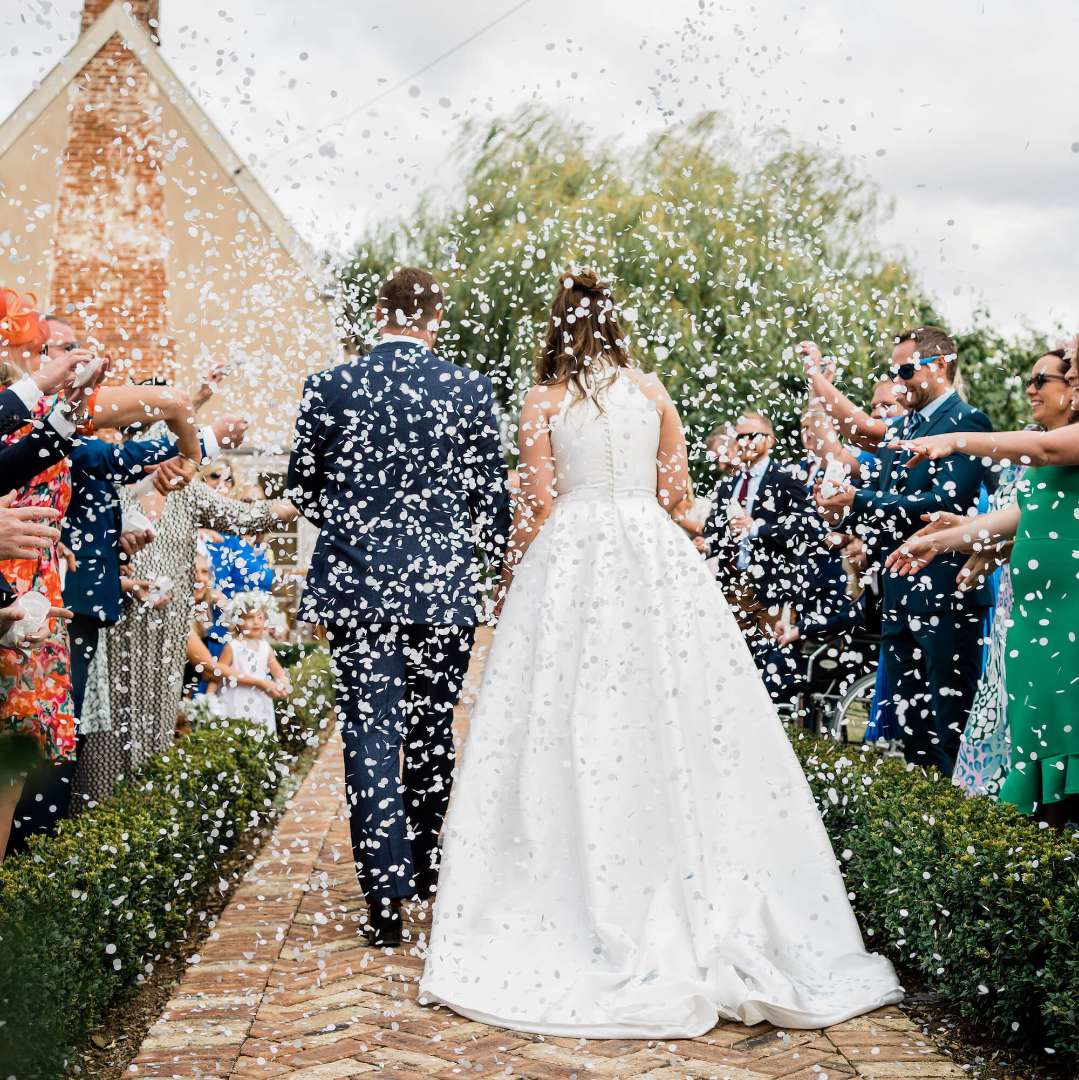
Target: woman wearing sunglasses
<point>1041,659</point>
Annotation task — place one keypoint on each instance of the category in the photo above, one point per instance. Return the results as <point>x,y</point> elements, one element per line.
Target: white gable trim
<point>116,20</point>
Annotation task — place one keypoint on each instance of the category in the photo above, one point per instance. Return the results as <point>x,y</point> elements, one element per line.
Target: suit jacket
<point>41,448</point>
<point>789,527</point>
<point>889,509</point>
<point>825,609</point>
<point>397,459</point>
<point>92,526</point>
<point>13,411</point>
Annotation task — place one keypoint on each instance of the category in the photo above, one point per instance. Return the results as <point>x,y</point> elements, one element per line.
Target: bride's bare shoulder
<point>650,384</point>
<point>545,398</point>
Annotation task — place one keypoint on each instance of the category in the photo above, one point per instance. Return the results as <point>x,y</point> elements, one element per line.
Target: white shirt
<point>404,339</point>
<point>926,411</point>
<point>756,472</point>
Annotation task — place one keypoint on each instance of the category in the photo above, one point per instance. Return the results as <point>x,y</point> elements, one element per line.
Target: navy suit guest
<point>930,633</point>
<point>825,611</point>
<point>397,459</point>
<point>761,550</point>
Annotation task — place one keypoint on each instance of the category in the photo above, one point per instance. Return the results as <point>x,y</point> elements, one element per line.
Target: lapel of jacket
<point>946,412</point>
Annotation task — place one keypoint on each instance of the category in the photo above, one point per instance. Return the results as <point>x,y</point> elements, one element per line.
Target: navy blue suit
<point>789,529</point>
<point>930,632</point>
<point>397,459</point>
<point>92,530</point>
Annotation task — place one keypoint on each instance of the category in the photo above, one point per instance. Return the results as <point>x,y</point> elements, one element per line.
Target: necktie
<point>743,491</point>
<point>912,425</point>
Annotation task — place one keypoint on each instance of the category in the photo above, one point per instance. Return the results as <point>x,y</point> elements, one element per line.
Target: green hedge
<point>306,715</point>
<point>84,914</point>
<point>966,893</point>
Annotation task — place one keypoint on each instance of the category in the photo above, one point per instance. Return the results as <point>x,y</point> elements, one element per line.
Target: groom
<point>397,460</point>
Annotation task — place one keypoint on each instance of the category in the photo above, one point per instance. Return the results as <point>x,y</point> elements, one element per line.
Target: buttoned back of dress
<point>605,444</point>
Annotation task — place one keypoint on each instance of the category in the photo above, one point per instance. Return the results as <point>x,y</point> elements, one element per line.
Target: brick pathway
<point>285,987</point>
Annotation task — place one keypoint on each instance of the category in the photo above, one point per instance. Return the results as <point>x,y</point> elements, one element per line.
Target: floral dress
<point>985,745</point>
<point>35,684</point>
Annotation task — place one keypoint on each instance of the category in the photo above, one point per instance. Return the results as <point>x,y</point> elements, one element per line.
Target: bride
<point>632,850</point>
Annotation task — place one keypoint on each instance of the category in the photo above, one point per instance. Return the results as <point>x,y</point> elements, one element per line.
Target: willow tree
<point>721,268</point>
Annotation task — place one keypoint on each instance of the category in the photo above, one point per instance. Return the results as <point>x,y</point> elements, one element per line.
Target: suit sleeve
<point>715,528</point>
<point>120,463</point>
<point>484,470</point>
<point>953,487</point>
<point>306,464</point>
<point>35,452</point>
<point>13,412</point>
<point>797,519</point>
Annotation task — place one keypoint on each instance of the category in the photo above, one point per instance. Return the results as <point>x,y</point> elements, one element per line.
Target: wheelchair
<point>834,697</point>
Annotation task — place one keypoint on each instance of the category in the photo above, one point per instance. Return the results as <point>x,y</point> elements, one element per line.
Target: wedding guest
<point>693,514</point>
<point>145,651</point>
<point>760,529</point>
<point>826,411</point>
<point>1042,649</point>
<point>825,612</point>
<point>930,632</point>
<point>255,677</point>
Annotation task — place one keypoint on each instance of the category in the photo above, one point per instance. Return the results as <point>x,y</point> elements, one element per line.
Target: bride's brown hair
<point>582,332</point>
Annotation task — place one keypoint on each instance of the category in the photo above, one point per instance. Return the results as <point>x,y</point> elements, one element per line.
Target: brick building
<point>123,207</point>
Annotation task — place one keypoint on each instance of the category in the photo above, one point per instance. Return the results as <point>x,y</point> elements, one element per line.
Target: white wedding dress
<point>632,850</point>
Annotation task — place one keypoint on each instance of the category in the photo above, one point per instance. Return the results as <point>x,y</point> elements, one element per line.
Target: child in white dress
<point>255,677</point>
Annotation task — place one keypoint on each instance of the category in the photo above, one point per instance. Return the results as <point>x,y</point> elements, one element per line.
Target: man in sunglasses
<point>761,525</point>
<point>931,633</point>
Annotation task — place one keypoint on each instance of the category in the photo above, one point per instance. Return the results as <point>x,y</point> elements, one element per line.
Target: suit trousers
<point>933,663</point>
<point>397,686</point>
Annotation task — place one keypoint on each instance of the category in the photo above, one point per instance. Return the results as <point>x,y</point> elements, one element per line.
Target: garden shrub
<point>84,914</point>
<point>964,892</point>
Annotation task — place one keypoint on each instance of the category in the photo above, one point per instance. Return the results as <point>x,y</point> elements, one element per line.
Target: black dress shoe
<point>383,928</point>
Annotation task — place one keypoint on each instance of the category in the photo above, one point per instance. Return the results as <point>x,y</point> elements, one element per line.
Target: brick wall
<point>109,251</point>
<point>143,10</point>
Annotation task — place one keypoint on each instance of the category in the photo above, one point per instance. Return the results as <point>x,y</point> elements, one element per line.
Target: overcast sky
<point>965,112</point>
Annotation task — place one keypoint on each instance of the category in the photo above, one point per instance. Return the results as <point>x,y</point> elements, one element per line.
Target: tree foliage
<point>722,263</point>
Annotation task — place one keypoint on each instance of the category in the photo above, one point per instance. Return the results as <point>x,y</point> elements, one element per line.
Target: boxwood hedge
<point>967,894</point>
<point>84,914</point>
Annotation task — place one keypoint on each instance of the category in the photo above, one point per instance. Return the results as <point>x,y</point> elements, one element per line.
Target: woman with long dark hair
<point>632,850</point>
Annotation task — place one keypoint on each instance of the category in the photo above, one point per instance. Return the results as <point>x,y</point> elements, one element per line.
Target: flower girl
<point>255,677</point>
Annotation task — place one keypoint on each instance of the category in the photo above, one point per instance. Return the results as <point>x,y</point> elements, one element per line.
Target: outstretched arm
<point>119,406</point>
<point>855,424</point>
<point>974,535</point>
<point>827,444</point>
<point>1036,448</point>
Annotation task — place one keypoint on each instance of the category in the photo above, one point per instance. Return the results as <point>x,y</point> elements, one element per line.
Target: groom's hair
<point>410,297</point>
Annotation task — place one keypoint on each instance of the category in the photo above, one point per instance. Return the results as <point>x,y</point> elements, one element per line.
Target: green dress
<point>1042,662</point>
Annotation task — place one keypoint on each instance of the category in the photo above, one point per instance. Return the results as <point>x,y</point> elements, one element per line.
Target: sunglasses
<point>906,371</point>
<point>1039,381</point>
<point>750,436</point>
